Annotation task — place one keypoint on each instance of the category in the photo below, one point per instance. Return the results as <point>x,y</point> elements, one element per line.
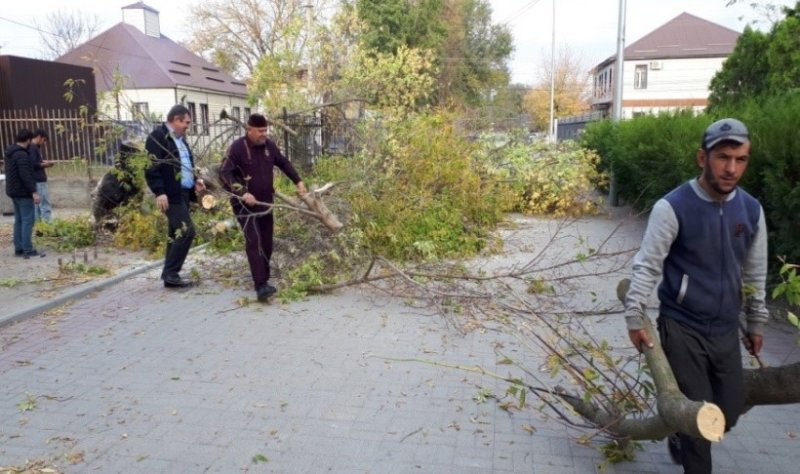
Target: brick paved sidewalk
<point>138,379</point>
<point>27,283</point>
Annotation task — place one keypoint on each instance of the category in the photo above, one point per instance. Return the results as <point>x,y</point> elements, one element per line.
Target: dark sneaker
<point>19,253</point>
<point>34,253</point>
<point>264,292</point>
<point>674,448</point>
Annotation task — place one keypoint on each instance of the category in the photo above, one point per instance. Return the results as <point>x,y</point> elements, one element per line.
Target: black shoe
<point>674,448</point>
<point>33,253</point>
<point>264,292</point>
<point>176,282</point>
<point>19,253</point>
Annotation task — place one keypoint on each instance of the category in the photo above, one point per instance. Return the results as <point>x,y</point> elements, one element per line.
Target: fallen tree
<point>601,390</point>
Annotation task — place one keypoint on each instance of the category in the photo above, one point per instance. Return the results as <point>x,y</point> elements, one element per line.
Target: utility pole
<point>620,62</point>
<point>309,27</point>
<point>552,122</point>
<point>613,197</point>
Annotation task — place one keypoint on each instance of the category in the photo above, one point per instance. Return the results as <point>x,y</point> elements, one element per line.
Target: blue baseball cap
<point>725,129</point>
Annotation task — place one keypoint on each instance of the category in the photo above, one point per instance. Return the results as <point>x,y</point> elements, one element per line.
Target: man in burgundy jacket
<point>247,173</point>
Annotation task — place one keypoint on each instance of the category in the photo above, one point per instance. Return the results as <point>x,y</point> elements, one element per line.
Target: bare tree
<point>237,34</point>
<point>63,30</point>
<point>571,89</point>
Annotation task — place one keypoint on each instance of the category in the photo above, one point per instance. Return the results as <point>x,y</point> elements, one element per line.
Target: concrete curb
<point>90,287</point>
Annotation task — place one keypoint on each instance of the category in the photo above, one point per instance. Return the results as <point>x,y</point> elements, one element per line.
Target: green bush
<point>774,173</point>
<point>140,230</point>
<point>416,191</point>
<point>649,155</point>
<point>653,154</point>
<point>600,137</point>
<point>549,179</point>
<point>66,234</point>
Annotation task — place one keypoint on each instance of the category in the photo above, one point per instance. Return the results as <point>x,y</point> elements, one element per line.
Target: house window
<point>141,110</point>
<point>193,112</point>
<point>640,77</point>
<point>247,112</point>
<point>237,113</point>
<point>204,118</point>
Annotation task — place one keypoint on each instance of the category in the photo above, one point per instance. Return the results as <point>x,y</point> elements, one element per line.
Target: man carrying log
<point>708,240</point>
<point>247,173</point>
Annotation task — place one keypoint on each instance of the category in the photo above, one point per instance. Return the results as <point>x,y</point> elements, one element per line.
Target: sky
<point>587,27</point>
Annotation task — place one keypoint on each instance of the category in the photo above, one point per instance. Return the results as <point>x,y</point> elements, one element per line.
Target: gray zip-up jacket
<point>708,266</point>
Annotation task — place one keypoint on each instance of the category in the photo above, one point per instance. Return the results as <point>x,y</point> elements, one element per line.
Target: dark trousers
<point>258,243</point>
<point>707,369</point>
<point>181,234</point>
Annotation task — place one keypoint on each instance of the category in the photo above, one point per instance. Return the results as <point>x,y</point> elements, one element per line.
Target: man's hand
<point>753,343</point>
<point>640,339</point>
<point>36,198</point>
<point>162,202</point>
<point>301,188</point>
<point>249,199</point>
<point>199,186</point>
<point>48,163</point>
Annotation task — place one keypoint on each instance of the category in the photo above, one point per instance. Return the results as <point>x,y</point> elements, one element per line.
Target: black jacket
<point>36,158</point>
<point>163,174</point>
<point>20,182</point>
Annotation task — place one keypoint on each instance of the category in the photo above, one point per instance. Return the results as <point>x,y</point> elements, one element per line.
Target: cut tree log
<point>763,386</point>
<point>772,385</point>
<point>312,200</point>
<point>675,411</point>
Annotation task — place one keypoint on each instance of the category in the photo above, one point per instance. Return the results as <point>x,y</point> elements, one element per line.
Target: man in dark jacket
<point>247,173</point>
<point>44,210</point>
<point>21,188</point>
<point>706,240</point>
<point>171,178</point>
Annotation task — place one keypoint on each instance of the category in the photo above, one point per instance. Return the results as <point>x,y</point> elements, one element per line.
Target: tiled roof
<point>149,62</point>
<point>685,36</point>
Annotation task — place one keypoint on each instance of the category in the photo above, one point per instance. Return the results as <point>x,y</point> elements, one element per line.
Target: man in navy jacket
<point>21,188</point>
<point>708,240</point>
<point>171,178</point>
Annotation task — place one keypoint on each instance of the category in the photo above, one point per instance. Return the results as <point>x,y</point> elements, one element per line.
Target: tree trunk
<point>765,386</point>
<point>772,385</point>
<point>313,201</point>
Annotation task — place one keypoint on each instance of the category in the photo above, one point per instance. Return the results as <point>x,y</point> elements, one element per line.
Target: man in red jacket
<point>247,172</point>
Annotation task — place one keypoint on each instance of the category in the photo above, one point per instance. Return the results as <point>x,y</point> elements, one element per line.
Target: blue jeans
<point>24,215</point>
<point>43,210</point>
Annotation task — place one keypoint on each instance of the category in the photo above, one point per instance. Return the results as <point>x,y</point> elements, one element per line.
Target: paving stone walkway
<point>136,378</point>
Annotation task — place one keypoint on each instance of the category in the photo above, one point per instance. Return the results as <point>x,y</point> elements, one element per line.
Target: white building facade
<point>667,70</point>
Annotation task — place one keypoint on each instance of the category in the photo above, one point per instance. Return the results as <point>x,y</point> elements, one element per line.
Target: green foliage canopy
<point>762,64</point>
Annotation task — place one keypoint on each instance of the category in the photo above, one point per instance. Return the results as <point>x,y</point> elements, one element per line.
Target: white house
<point>140,74</point>
<point>668,69</point>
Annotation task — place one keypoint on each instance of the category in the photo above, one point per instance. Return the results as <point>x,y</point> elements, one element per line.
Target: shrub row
<point>651,155</point>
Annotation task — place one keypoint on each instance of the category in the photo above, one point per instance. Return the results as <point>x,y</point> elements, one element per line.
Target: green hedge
<point>651,155</point>
<point>774,176</point>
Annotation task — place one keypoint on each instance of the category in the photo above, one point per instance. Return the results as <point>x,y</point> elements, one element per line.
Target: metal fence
<point>73,136</point>
<point>323,132</point>
<point>571,128</point>
<point>70,134</point>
